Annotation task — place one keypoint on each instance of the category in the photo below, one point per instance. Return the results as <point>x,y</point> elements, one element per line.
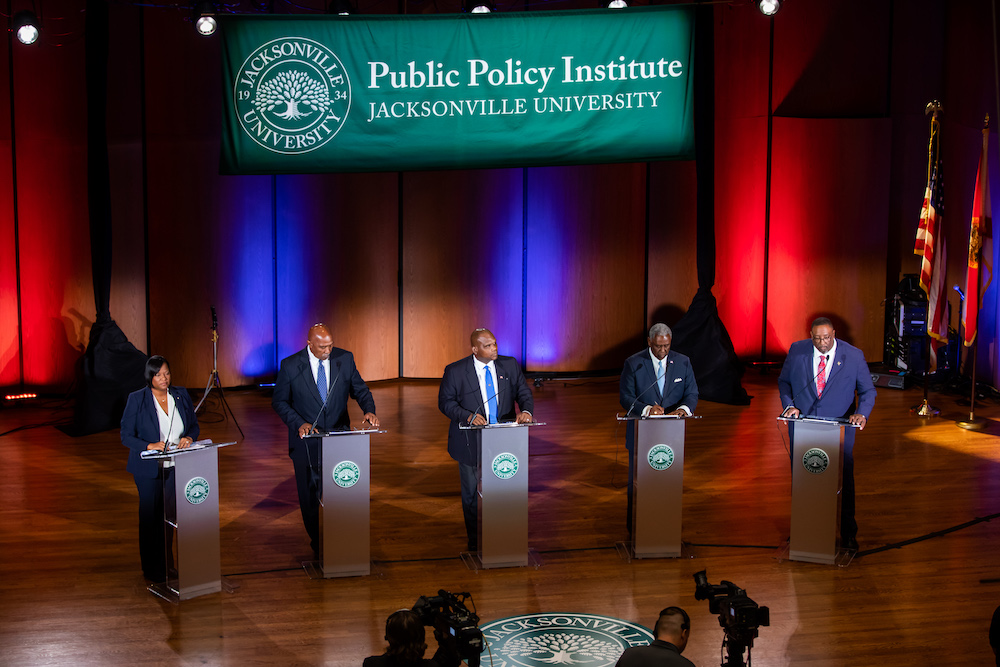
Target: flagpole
<point>972,423</point>
<point>924,409</point>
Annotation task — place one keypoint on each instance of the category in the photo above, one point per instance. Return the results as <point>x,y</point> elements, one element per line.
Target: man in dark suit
<point>820,377</point>
<point>655,381</point>
<point>672,630</point>
<point>478,390</point>
<point>304,380</point>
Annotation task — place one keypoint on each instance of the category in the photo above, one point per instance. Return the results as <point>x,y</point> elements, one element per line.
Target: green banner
<point>398,93</point>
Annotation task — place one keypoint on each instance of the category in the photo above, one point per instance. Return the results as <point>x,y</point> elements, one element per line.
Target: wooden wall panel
<point>586,236</point>
<point>210,235</point>
<point>124,127</point>
<point>829,205</point>
<point>462,249</point>
<point>673,235</point>
<point>337,263</point>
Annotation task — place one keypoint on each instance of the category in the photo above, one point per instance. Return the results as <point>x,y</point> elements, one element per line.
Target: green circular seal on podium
<point>196,491</point>
<point>660,457</point>
<point>505,465</point>
<point>815,461</point>
<point>346,474</point>
<point>544,640</point>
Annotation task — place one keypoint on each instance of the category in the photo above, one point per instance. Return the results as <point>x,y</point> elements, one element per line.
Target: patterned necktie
<point>491,395</point>
<point>321,381</point>
<point>821,376</point>
<point>660,377</point>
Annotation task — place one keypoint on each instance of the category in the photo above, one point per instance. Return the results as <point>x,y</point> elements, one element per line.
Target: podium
<point>817,460</point>
<point>344,505</point>
<point>191,512</point>
<point>503,494</point>
<point>658,485</point>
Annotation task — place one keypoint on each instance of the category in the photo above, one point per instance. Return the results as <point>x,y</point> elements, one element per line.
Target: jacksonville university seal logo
<point>660,457</point>
<point>544,640</point>
<point>196,490</point>
<point>815,461</point>
<point>505,465</point>
<point>292,95</point>
<point>346,474</point>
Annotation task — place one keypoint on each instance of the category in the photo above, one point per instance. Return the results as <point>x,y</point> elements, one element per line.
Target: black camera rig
<point>739,616</point>
<point>447,612</point>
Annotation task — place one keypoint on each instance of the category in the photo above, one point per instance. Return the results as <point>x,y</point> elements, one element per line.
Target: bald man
<point>672,630</point>
<point>304,380</point>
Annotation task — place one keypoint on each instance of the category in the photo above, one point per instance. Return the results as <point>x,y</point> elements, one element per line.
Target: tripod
<point>213,379</point>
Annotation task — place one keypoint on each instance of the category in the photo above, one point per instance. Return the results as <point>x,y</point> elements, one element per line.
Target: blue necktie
<point>321,381</point>
<point>491,395</point>
<point>660,377</point>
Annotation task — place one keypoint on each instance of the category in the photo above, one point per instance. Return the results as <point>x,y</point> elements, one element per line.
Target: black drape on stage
<point>700,333</point>
<point>111,367</point>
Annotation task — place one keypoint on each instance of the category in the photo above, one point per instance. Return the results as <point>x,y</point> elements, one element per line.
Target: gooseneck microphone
<point>802,388</point>
<point>325,400</point>
<point>655,380</point>
<point>483,404</point>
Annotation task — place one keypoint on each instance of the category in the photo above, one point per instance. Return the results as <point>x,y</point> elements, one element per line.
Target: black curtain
<point>700,333</point>
<point>111,367</point>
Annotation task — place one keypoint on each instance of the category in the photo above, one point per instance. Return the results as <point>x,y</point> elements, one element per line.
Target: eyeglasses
<point>822,339</point>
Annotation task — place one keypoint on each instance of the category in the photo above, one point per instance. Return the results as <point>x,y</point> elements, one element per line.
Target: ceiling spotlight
<point>340,7</point>
<point>769,7</point>
<point>25,26</point>
<point>204,18</point>
<point>615,4</point>
<point>479,7</point>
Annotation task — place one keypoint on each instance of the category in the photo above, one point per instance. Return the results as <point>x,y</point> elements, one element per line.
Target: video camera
<point>739,616</point>
<point>447,611</point>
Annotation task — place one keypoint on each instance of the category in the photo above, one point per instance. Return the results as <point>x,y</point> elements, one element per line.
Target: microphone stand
<point>213,378</point>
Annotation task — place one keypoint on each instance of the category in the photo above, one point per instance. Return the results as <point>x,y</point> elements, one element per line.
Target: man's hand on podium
<point>791,412</point>
<point>370,418</point>
<point>305,429</point>
<point>655,410</point>
<point>477,420</point>
<point>525,418</point>
<point>858,420</point>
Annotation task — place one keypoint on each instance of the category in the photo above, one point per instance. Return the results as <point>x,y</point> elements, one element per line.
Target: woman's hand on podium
<point>184,442</point>
<point>155,447</point>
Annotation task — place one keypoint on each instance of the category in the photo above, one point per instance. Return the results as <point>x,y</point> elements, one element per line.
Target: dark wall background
<point>554,260</point>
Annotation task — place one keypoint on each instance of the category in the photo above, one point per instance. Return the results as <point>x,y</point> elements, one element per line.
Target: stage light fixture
<point>204,18</point>
<point>25,26</point>
<point>340,7</point>
<point>769,7</point>
<point>479,7</point>
<point>614,4</point>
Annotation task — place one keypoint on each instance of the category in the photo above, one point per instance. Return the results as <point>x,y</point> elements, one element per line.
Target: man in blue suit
<point>655,381</point>
<point>480,389</point>
<point>820,377</point>
<point>304,380</point>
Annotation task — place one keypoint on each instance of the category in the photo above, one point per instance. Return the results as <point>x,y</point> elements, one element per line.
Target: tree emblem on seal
<point>505,465</point>
<point>660,457</point>
<point>196,490</point>
<point>563,648</point>
<point>292,89</point>
<point>346,474</point>
<point>815,461</point>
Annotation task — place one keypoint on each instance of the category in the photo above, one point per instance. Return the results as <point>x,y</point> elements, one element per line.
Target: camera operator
<point>672,630</point>
<point>405,633</point>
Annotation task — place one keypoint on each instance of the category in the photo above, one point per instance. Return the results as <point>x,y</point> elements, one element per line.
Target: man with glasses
<point>820,377</point>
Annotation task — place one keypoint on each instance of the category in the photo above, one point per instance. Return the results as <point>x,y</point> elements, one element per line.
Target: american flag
<point>930,245</point>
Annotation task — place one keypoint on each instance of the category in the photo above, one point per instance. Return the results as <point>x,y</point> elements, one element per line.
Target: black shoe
<point>851,543</point>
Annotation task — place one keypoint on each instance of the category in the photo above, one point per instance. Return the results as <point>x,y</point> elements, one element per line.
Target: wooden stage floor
<point>920,592</point>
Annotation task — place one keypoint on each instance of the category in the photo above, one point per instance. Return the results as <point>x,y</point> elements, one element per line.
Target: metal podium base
<point>626,551</point>
<point>842,558</point>
<point>474,562</point>
<point>174,596</point>
<point>314,568</point>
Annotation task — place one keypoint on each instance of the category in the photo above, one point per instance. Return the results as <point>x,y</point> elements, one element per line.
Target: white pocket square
<point>678,379</point>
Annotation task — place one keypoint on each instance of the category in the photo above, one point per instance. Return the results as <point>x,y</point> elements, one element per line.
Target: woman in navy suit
<point>155,416</point>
